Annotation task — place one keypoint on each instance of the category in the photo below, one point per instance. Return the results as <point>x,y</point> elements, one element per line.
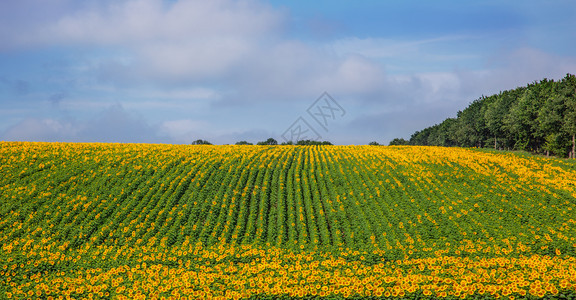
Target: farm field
<point>140,221</point>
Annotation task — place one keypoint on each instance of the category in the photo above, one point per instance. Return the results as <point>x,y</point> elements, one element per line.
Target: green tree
<point>550,121</point>
<point>443,134</point>
<point>521,121</point>
<point>269,141</point>
<point>201,142</point>
<point>398,142</point>
<point>540,117</point>
<point>470,128</point>
<point>568,94</point>
<point>495,113</point>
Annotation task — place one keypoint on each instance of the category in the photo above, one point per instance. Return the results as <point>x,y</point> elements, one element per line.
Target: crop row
<point>90,206</point>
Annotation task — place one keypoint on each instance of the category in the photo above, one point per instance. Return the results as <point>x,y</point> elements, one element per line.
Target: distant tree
<point>201,142</point>
<point>398,142</point>
<point>269,141</point>
<point>287,143</point>
<point>243,143</point>
<point>374,143</point>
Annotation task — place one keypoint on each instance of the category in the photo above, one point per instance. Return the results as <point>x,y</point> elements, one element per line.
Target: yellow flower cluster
<point>129,221</point>
<point>227,272</point>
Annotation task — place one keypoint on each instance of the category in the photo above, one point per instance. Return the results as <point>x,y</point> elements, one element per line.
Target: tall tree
<point>496,110</point>
<point>470,130</point>
<point>521,119</point>
<point>443,134</point>
<point>550,121</point>
<point>568,94</point>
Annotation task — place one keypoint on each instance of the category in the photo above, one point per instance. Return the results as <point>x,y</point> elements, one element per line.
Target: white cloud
<point>193,60</point>
<point>235,44</point>
<point>524,65</point>
<point>183,56</point>
<point>186,130</point>
<point>41,129</point>
<point>358,75</point>
<point>131,22</point>
<point>194,39</point>
<point>113,124</point>
<point>295,72</point>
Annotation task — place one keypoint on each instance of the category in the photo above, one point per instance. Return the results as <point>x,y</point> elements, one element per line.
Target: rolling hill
<point>138,220</point>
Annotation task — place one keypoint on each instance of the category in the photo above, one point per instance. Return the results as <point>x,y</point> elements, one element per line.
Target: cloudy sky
<point>173,71</point>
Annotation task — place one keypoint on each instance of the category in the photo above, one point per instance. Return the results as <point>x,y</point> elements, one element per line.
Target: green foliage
<point>269,141</point>
<point>398,142</point>
<point>201,142</point>
<point>540,118</point>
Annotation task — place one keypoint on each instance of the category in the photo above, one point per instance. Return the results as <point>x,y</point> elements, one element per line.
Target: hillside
<point>126,220</point>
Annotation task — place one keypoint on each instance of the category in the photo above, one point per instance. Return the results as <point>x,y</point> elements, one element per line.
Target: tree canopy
<point>540,118</point>
<point>201,142</point>
<point>269,141</point>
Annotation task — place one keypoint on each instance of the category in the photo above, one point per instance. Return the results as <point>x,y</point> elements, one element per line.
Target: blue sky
<point>175,71</point>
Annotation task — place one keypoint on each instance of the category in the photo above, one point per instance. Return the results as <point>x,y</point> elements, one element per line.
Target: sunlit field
<point>136,221</point>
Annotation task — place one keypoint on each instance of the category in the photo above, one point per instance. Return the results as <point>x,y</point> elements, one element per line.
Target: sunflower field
<point>141,221</point>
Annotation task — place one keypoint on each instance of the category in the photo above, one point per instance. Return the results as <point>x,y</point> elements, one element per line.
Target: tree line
<point>540,118</point>
<point>271,142</point>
